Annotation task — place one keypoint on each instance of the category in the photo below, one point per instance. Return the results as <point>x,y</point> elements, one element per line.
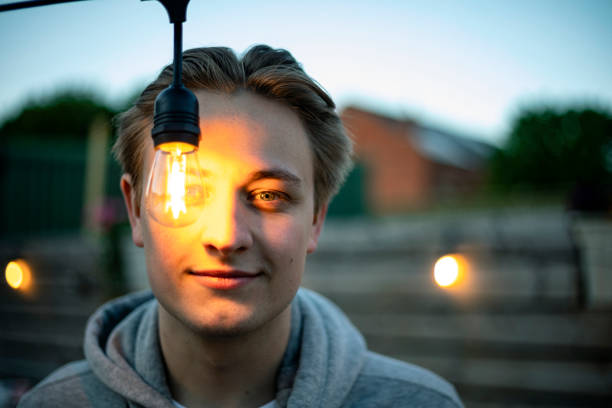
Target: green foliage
<point>550,150</point>
<point>65,115</point>
<point>42,165</point>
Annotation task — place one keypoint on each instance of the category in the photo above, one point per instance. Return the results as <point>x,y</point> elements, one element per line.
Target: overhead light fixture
<point>174,192</point>
<point>174,195</point>
<point>32,3</point>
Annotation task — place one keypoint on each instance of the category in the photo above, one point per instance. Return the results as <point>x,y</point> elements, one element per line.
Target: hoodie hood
<point>122,348</point>
<point>324,356</point>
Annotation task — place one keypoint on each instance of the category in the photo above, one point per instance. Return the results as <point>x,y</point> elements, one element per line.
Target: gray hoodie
<point>326,364</point>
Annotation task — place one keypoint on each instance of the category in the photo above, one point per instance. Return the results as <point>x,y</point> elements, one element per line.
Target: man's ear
<point>317,226</point>
<point>133,208</point>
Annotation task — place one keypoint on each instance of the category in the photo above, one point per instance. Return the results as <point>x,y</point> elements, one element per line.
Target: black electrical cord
<point>178,53</point>
<point>177,12</point>
<point>175,117</point>
<point>32,3</point>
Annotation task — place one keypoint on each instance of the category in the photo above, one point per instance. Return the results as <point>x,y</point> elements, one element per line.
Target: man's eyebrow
<point>275,173</point>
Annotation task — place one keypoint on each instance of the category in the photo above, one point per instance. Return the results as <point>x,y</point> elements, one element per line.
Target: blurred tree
<point>551,151</point>
<point>63,115</point>
<point>42,170</point>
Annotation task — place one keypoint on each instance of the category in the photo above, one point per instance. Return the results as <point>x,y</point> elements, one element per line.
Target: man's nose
<point>226,230</point>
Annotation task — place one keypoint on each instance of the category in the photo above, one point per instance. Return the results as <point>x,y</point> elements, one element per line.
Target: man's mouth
<point>224,279</point>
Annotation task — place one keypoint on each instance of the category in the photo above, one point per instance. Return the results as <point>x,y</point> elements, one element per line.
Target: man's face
<point>240,265</point>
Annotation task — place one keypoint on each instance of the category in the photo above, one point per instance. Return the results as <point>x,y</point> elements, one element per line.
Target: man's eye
<point>269,199</point>
<point>267,196</point>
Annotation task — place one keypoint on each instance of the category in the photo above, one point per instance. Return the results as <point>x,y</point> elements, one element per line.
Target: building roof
<point>439,146</point>
<point>450,149</point>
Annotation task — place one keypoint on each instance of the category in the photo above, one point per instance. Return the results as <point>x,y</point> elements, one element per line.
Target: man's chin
<point>224,324</point>
<point>222,331</point>
<point>237,322</point>
<point>224,318</point>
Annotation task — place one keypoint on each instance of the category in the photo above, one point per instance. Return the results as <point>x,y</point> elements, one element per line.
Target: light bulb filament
<point>175,192</point>
<point>175,201</point>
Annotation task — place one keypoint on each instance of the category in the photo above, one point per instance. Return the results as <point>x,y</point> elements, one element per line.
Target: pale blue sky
<point>465,65</point>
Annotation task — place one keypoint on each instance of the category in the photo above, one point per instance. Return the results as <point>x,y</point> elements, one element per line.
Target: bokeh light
<point>447,270</point>
<point>18,274</point>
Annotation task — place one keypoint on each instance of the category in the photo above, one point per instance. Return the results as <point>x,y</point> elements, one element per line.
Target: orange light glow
<point>448,270</point>
<point>175,182</point>
<point>176,147</point>
<point>175,192</point>
<point>18,274</point>
<point>175,201</point>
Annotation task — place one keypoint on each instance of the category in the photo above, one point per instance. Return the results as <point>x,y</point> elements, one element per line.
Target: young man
<point>226,324</point>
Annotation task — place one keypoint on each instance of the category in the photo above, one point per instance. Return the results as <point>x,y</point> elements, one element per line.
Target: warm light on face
<point>18,275</point>
<point>446,271</point>
<point>175,193</point>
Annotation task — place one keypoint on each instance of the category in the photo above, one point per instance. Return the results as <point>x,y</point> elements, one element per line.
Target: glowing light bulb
<point>18,274</point>
<point>176,182</point>
<point>175,192</point>
<point>446,271</point>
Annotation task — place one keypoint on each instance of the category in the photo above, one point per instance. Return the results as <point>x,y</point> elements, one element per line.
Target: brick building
<point>409,166</point>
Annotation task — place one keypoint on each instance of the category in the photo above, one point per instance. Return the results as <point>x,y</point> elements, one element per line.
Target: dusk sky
<point>467,66</point>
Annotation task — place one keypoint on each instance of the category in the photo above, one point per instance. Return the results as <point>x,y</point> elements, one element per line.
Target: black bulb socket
<point>176,117</point>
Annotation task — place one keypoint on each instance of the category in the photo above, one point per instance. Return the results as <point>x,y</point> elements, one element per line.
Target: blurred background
<point>473,236</point>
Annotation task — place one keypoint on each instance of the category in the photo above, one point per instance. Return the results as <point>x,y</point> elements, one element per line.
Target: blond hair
<point>268,72</point>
